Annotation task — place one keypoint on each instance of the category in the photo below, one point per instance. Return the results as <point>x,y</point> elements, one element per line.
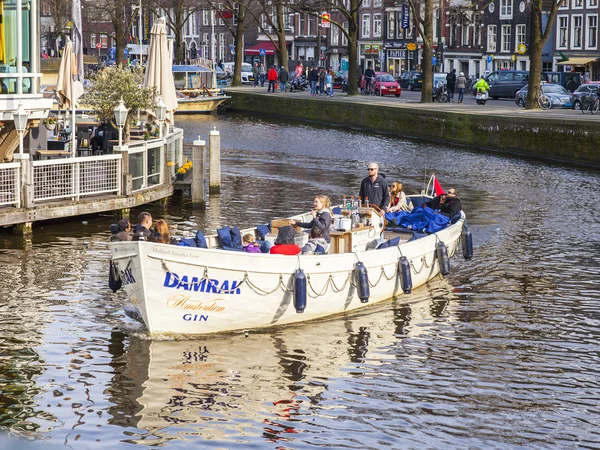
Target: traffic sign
<point>434,60</point>
<point>411,46</point>
<point>262,52</point>
<point>323,48</point>
<point>98,45</point>
<point>325,18</point>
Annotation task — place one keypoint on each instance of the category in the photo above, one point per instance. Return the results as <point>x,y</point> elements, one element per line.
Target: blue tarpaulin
<point>420,219</point>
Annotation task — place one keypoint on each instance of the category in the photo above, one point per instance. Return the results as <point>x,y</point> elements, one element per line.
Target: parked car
<point>569,80</point>
<point>559,96</point>
<point>384,84</point>
<point>506,83</point>
<point>246,72</point>
<point>583,91</point>
<point>411,80</point>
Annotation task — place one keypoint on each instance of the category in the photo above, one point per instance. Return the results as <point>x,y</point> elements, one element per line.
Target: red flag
<point>437,187</point>
<point>227,15</point>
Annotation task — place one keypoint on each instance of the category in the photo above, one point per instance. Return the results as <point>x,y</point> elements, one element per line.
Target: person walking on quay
<point>461,84</point>
<point>375,188</point>
<point>256,74</point>
<point>329,83</point>
<point>284,76</point>
<point>451,85</point>
<point>322,76</point>
<point>313,77</point>
<point>272,77</point>
<point>263,75</point>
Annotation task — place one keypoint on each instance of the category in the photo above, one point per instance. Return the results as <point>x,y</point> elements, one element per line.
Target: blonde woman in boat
<point>398,198</point>
<point>322,217</point>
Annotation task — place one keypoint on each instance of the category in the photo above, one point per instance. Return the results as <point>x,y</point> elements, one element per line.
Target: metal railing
<point>10,184</point>
<point>145,163</point>
<point>74,178</point>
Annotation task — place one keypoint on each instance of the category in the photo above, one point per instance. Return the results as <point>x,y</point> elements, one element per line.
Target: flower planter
<point>179,176</point>
<point>50,126</point>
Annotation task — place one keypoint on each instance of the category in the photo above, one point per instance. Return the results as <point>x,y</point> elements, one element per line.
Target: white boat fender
<point>362,282</point>
<point>405,275</point>
<point>442,254</point>
<point>467,243</point>
<point>299,291</point>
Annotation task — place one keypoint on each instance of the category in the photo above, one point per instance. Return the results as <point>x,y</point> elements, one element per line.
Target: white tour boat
<point>187,290</point>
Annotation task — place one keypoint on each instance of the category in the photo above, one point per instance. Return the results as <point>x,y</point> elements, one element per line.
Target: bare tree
<point>242,21</point>
<point>60,13</point>
<point>350,14</point>
<point>118,14</point>
<point>424,24</point>
<point>539,36</point>
<point>273,12</point>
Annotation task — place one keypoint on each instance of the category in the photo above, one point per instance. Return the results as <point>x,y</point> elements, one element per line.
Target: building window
<point>591,41</point>
<point>505,38</point>
<point>344,36</point>
<point>93,40</point>
<point>104,40</point>
<point>335,35</point>
<point>563,27</point>
<point>376,25</point>
<point>520,36</point>
<point>491,38</point>
<point>592,4</point>
<point>311,26</point>
<point>377,3</point>
<point>391,24</point>
<point>564,4</point>
<point>505,9</point>
<point>205,17</point>
<point>465,35</point>
<point>301,21</point>
<point>577,4</point>
<point>577,30</point>
<point>366,26</point>
<point>221,46</point>
<point>366,3</point>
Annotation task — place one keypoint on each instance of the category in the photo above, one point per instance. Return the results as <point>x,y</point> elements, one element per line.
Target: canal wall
<point>517,132</point>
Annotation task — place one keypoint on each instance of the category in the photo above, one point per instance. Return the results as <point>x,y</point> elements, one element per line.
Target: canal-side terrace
<point>135,173</point>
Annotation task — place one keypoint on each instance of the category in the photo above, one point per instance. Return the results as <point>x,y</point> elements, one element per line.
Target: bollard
<point>198,165</point>
<point>214,167</point>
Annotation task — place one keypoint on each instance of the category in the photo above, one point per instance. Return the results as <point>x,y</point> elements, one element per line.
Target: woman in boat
<point>321,217</point>
<point>398,199</point>
<point>160,226</point>
<point>285,243</point>
<point>316,244</point>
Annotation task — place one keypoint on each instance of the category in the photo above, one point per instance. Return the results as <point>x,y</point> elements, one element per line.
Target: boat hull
<point>187,290</point>
<point>199,104</point>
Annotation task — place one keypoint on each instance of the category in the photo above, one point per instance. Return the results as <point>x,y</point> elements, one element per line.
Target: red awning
<point>267,46</point>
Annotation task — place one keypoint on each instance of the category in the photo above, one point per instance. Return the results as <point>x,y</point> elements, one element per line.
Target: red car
<point>385,84</point>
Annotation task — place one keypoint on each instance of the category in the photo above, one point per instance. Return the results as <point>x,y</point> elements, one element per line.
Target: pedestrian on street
<point>272,77</point>
<point>263,75</point>
<point>461,84</point>
<point>255,73</point>
<point>313,77</point>
<point>284,76</point>
<point>451,85</point>
<point>322,75</point>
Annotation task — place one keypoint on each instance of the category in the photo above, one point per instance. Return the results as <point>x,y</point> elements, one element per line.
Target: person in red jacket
<point>272,77</point>
<point>284,244</point>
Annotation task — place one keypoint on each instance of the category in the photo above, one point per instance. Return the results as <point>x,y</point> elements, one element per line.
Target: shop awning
<point>267,46</point>
<point>578,60</point>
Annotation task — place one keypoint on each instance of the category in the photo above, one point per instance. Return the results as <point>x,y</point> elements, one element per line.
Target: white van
<point>246,74</point>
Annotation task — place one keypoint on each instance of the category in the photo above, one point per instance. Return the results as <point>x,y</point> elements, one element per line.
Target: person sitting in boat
<point>121,231</point>
<point>398,199</point>
<point>316,244</point>
<point>162,228</point>
<point>321,217</point>
<point>375,188</point>
<point>142,229</point>
<point>285,243</point>
<point>249,244</point>
<point>447,203</point>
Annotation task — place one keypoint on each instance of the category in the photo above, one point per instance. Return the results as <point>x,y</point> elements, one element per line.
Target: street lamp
<point>20,117</point>
<point>161,111</point>
<point>120,119</point>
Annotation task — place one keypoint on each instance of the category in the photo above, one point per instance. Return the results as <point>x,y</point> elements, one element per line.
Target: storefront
<point>396,61</point>
<point>371,54</point>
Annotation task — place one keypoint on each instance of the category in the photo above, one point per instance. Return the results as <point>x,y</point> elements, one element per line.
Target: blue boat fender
<point>442,254</point>
<point>362,282</point>
<point>299,291</point>
<point>467,244</point>
<point>405,274</point>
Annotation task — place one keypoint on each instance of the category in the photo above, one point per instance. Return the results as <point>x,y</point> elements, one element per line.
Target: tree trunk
<point>283,53</point>
<point>535,58</point>
<point>353,52</point>
<point>427,61</point>
<point>239,49</point>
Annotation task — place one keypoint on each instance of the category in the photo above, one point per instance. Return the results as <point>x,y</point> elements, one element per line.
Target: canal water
<point>503,353</point>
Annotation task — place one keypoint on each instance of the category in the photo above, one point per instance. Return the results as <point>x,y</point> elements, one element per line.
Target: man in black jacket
<point>284,76</point>
<point>447,204</point>
<point>142,229</point>
<point>451,85</point>
<point>375,189</point>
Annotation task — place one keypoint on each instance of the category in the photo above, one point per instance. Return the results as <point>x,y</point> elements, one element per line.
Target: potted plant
<point>183,170</point>
<point>50,122</point>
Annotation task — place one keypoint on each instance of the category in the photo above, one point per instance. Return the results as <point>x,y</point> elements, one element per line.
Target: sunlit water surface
<point>503,353</point>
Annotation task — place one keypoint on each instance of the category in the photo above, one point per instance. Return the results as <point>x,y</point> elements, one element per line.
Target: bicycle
<point>590,103</point>
<point>368,90</point>
<point>543,100</point>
